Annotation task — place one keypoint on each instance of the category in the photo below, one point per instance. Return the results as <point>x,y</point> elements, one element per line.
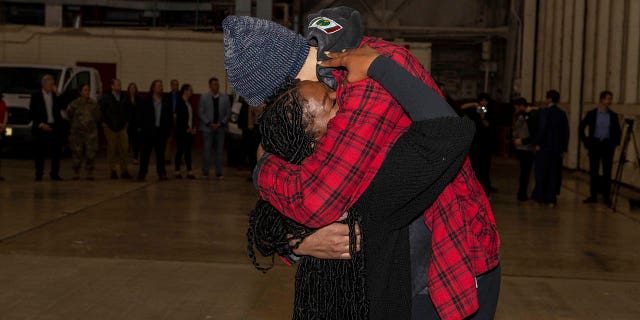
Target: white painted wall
<point>140,55</point>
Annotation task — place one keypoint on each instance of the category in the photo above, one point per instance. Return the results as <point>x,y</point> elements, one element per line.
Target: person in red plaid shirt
<point>464,243</point>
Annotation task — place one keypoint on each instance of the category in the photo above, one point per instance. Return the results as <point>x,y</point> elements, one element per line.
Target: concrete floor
<point>176,250</point>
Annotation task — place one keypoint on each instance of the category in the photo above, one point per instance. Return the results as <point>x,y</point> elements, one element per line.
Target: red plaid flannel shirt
<point>465,242</point>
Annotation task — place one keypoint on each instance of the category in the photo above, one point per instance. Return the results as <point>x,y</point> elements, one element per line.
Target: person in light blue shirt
<point>603,138</point>
<point>214,111</point>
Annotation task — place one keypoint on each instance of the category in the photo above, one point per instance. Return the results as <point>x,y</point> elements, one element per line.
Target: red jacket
<point>465,241</point>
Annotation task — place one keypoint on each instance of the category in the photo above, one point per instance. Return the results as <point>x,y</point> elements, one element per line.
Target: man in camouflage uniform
<point>84,115</point>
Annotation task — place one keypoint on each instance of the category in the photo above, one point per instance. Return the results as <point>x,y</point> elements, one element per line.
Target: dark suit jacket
<point>115,113</point>
<point>147,118</point>
<point>38,111</point>
<point>182,117</point>
<point>553,130</point>
<point>615,131</point>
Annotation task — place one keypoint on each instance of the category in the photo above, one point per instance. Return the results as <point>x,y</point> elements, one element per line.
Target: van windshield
<point>24,80</point>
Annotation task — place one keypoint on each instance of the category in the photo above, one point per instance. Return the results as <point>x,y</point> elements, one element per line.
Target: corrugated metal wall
<point>582,48</point>
<point>611,48</point>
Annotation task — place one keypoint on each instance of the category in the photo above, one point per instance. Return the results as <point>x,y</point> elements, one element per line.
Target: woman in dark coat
<point>185,129</point>
<point>133,128</point>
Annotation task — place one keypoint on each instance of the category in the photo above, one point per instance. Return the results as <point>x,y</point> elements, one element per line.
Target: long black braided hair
<point>282,129</point>
<point>324,289</point>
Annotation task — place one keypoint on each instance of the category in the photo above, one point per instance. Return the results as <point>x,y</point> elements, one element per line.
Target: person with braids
<point>446,270</point>
<point>291,126</point>
<point>325,288</point>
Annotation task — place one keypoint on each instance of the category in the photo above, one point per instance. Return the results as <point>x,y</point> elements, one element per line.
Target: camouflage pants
<point>84,149</point>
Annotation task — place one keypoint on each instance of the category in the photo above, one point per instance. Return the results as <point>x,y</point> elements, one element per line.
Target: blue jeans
<point>215,137</point>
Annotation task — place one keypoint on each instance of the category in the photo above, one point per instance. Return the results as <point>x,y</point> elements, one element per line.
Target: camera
<point>481,109</point>
<point>629,122</point>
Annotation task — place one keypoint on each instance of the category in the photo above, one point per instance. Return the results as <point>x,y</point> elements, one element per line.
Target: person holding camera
<point>604,136</point>
<point>483,142</point>
<point>525,123</point>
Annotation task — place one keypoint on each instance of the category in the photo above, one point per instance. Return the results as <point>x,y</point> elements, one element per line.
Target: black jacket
<point>553,130</point>
<point>38,111</point>
<point>147,117</point>
<point>182,117</point>
<point>615,131</point>
<point>406,185</point>
<point>115,113</point>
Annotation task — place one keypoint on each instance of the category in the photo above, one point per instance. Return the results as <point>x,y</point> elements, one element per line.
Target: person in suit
<point>604,136</point>
<point>185,130</point>
<point>47,128</point>
<point>214,111</point>
<point>551,143</point>
<point>115,116</point>
<point>156,121</point>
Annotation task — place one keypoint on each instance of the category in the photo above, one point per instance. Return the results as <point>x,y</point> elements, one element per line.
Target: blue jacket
<point>205,110</point>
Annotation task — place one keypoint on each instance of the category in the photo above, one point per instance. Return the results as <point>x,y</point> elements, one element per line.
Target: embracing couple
<point>364,180</point>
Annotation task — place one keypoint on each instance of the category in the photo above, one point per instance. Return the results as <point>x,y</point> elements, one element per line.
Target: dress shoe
<point>75,178</point>
<point>590,200</point>
<point>114,175</point>
<point>163,177</point>
<point>608,202</point>
<point>91,178</point>
<point>38,178</point>
<point>178,175</point>
<point>141,178</point>
<point>190,176</point>
<point>56,178</point>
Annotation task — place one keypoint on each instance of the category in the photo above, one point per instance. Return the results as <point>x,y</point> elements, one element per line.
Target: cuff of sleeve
<point>286,261</point>
<point>290,259</point>
<point>377,68</point>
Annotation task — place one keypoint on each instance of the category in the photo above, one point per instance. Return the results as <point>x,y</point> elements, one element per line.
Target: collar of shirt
<point>217,95</point>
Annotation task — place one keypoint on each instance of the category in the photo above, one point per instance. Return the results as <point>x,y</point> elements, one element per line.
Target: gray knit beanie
<point>260,55</point>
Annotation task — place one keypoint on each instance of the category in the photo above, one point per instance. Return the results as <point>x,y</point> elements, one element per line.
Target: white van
<point>19,81</point>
